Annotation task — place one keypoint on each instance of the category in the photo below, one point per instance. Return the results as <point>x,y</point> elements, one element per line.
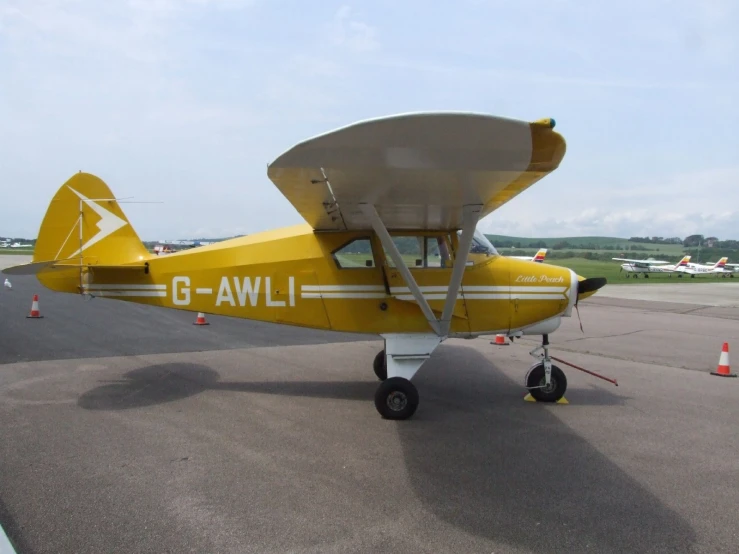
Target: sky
<point>185,102</point>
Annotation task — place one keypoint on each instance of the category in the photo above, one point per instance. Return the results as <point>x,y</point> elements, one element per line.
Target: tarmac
<point>127,428</point>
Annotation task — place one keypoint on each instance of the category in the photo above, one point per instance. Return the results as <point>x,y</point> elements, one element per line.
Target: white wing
<point>418,170</point>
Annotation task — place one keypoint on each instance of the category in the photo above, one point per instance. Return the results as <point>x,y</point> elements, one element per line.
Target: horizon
<point>187,101</point>
<point>497,235</point>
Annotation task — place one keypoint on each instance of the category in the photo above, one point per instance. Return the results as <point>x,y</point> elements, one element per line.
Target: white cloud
<point>346,30</point>
<point>715,30</point>
<point>679,205</point>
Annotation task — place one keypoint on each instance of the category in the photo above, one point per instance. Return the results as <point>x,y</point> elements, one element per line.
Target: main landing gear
<point>545,381</point>
<point>395,366</point>
<point>396,397</point>
<point>380,365</point>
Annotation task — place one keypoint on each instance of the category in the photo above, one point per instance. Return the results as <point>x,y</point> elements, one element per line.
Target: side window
<point>437,252</point>
<point>356,254</point>
<point>422,252</point>
<point>411,250</point>
<point>480,249</point>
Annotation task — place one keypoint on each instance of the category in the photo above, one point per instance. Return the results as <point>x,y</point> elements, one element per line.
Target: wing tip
<point>546,122</point>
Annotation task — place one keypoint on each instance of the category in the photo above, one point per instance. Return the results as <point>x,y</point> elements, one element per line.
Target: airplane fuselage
<point>634,268</point>
<point>702,269</point>
<point>341,281</point>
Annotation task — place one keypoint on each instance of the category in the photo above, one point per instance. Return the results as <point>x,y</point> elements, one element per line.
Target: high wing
<point>645,263</point>
<point>418,170</point>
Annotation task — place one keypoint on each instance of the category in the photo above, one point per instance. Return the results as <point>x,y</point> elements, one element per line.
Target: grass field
<point>575,242</point>
<point>613,245</point>
<point>658,250</point>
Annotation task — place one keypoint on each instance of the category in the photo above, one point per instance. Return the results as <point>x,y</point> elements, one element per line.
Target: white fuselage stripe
<point>476,288</point>
<point>129,293</point>
<point>488,296</point>
<point>127,287</point>
<point>343,295</point>
<point>359,292</point>
<point>342,288</point>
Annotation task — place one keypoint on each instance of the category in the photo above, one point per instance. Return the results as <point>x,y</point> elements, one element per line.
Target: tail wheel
<point>396,398</point>
<point>546,393</point>
<point>380,365</point>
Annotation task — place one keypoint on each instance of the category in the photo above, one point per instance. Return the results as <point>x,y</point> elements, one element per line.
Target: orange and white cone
<point>724,369</point>
<point>201,319</point>
<point>35,313</point>
<point>500,340</point>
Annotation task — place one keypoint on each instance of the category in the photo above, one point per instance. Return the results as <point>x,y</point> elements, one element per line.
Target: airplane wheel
<point>396,398</point>
<point>380,365</point>
<point>557,384</point>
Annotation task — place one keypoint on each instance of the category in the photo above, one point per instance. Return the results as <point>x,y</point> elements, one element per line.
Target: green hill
<point>580,242</point>
<point>605,248</point>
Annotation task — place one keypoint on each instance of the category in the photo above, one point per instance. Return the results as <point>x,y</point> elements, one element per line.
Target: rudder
<point>84,222</point>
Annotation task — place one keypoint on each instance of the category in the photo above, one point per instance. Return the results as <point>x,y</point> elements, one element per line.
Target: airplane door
<point>428,256</point>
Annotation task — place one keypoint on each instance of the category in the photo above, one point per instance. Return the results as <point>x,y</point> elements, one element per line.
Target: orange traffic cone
<point>35,313</point>
<point>724,369</point>
<point>201,319</point>
<point>500,340</point>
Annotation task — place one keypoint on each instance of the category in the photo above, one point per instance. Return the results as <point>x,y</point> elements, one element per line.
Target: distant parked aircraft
<point>652,266</point>
<point>718,268</point>
<point>538,257</point>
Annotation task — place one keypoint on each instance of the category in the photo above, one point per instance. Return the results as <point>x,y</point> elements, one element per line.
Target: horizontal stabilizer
<point>28,269</point>
<point>35,267</point>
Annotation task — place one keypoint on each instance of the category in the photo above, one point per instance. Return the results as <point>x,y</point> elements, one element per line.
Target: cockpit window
<point>481,244</point>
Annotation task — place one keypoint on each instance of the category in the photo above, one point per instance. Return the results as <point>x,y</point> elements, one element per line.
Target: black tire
<point>557,385</point>
<point>380,365</point>
<point>396,398</point>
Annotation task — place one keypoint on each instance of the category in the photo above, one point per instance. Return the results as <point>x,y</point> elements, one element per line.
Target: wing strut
<point>471,214</point>
<point>379,227</point>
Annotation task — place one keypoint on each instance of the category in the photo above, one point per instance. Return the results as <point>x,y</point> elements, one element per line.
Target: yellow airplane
<point>391,208</point>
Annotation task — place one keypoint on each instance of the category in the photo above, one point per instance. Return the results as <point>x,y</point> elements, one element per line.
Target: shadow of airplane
<point>477,456</point>
<point>161,383</point>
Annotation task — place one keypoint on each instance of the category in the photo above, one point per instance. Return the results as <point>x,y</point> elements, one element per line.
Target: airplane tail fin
<point>83,226</point>
<point>684,261</point>
<point>721,263</point>
<point>540,255</point>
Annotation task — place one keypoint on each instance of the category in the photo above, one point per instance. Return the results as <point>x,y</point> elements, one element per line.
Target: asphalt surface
<point>724,293</point>
<point>87,328</point>
<point>128,430</point>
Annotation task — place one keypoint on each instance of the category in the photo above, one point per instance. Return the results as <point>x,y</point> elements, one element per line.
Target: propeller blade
<point>590,285</point>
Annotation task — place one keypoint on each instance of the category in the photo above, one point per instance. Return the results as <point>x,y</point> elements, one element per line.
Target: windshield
<point>481,244</point>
